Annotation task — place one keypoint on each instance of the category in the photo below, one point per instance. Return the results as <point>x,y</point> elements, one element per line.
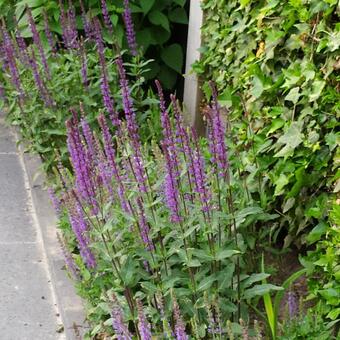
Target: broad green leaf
<point>260,290</point>
<point>146,5</point>
<point>206,283</point>
<point>158,18</point>
<point>317,88</point>
<point>257,87</point>
<point>317,232</point>
<point>173,57</point>
<point>293,95</point>
<point>179,15</point>
<point>225,254</point>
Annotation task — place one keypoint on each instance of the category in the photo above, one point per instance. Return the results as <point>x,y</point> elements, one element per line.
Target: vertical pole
<point>192,93</point>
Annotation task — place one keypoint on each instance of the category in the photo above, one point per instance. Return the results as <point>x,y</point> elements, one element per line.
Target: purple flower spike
<point>86,24</point>
<point>70,264</point>
<point>144,227</point>
<point>171,189</point>
<point>49,35</point>
<point>83,56</point>
<point>37,42</point>
<point>179,324</point>
<point>217,136</point>
<point>292,304</point>
<point>143,324</point>
<point>54,200</point>
<point>9,58</point>
<point>23,55</point>
<point>132,128</point>
<point>130,31</point>
<point>72,27</point>
<point>106,16</point>
<point>119,327</point>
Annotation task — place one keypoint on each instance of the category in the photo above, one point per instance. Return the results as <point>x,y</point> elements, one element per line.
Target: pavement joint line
<point>40,239</point>
<point>3,153</point>
<point>14,243</point>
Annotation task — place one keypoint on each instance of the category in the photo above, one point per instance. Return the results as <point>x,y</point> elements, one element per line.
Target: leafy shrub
<point>40,83</point>
<point>156,23</point>
<point>157,227</point>
<point>275,63</point>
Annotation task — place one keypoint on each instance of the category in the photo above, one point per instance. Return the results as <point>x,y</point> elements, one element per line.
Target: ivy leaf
<point>173,57</point>
<point>293,95</point>
<point>257,87</point>
<point>291,139</point>
<point>317,88</point>
<point>146,5</point>
<point>159,19</point>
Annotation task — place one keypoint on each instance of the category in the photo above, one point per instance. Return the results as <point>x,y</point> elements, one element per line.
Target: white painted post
<point>192,93</point>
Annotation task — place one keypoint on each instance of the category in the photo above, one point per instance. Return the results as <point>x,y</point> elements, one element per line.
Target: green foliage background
<point>276,65</point>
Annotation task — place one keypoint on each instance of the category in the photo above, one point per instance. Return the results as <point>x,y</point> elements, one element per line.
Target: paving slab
<point>28,305</point>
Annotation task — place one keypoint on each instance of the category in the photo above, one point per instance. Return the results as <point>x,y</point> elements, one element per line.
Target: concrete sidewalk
<point>28,296</point>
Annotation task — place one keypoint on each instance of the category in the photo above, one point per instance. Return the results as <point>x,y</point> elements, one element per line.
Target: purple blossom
<point>21,45</point>
<point>9,54</point>
<point>130,31</point>
<point>144,227</point>
<point>171,191</point>
<point>64,24</point>
<point>119,327</point>
<point>143,324</point>
<point>132,128</point>
<point>106,16</point>
<point>48,34</point>
<point>110,155</point>
<point>80,227</point>
<point>217,132</point>
<point>72,26</point>
<point>70,264</point>
<point>83,57</point>
<point>179,324</point>
<point>54,200</point>
<point>168,137</point>
<point>86,23</point>
<point>292,304</point>
<point>37,42</point>
<point>38,80</point>
<point>81,162</point>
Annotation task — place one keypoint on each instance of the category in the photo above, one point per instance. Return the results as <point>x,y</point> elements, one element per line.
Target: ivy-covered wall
<point>276,64</point>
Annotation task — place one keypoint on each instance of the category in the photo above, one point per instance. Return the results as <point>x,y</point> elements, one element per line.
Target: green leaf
<point>317,88</point>
<point>257,87</point>
<point>317,232</point>
<point>158,18</point>
<point>254,278</point>
<point>293,95</point>
<point>180,2</point>
<point>260,290</point>
<point>179,15</point>
<point>206,283</point>
<point>173,57</point>
<point>280,183</point>
<point>225,254</point>
<point>146,5</point>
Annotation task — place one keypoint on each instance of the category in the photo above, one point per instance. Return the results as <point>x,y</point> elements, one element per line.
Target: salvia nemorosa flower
<point>37,42</point>
<point>81,162</point>
<point>199,175</point>
<point>64,24</point>
<point>143,324</point>
<point>38,80</point>
<point>72,26</point>
<point>179,324</point>
<point>130,31</point>
<point>54,200</point>
<point>23,56</point>
<point>80,228</point>
<point>169,139</point>
<point>217,133</point>
<point>171,190</point>
<point>10,61</point>
<point>132,128</point>
<point>292,304</point>
<point>83,72</point>
<point>70,264</point>
<point>119,327</point>
<point>106,16</point>
<point>49,34</point>
<point>144,227</point>
<point>110,155</point>
<point>86,24</point>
